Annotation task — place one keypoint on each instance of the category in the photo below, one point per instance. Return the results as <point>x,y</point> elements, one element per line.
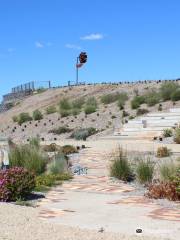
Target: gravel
<point>23,223</point>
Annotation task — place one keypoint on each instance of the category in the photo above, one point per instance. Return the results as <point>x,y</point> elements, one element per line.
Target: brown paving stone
<point>166,214</point>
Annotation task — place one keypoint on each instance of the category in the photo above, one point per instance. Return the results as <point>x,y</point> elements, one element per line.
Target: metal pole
<point>77,73</point>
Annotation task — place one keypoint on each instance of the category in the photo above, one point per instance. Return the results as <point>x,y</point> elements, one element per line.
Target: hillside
<point>106,119</point>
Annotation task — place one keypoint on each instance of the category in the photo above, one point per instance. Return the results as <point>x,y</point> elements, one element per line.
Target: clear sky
<point>125,40</point>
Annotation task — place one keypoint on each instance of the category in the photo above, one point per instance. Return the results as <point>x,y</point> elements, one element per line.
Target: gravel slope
<point>22,223</point>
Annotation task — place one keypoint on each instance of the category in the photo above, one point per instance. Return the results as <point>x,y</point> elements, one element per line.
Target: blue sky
<point>125,40</point>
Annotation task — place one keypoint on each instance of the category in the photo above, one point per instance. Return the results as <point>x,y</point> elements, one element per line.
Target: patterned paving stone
<point>97,187</point>
<point>166,214</point>
<point>53,213</point>
<point>135,200</point>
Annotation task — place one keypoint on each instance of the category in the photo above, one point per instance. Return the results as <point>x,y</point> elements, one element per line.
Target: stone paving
<point>94,200</point>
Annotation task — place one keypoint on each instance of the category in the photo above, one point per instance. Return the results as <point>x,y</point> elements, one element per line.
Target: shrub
<point>137,101</point>
<point>15,119</point>
<point>167,132</point>
<point>60,130</point>
<point>83,133</point>
<point>24,117</point>
<point>125,114</point>
<point>164,190</point>
<point>59,164</point>
<point>113,97</point>
<point>41,90</point>
<point>91,102</point>
<point>37,115</point>
<point>163,152</point>
<point>152,98</point>
<point>29,157</point>
<point>142,111</point>
<point>145,171</point>
<point>65,113</point>
<point>120,167</point>
<point>176,180</point>
<point>167,171</point>
<point>34,142</point>
<point>167,90</point>
<point>177,136</point>
<point>121,104</point>
<point>68,149</point>
<point>90,109</point>
<point>64,104</point>
<point>78,103</point>
<point>76,111</point>
<point>51,109</point>
<point>48,180</point>
<point>160,107</point>
<point>175,96</point>
<point>51,148</point>
<point>15,183</point>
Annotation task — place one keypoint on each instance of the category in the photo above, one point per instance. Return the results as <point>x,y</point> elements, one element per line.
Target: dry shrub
<point>166,190</point>
<point>163,152</point>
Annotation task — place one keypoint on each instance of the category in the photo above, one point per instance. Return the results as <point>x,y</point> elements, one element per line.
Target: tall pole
<point>77,72</point>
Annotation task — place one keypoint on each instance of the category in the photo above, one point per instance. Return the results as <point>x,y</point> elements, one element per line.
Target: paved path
<point>94,201</point>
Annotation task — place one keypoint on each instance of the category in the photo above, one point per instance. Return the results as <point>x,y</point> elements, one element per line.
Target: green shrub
<point>141,111</point>
<point>64,104</point>
<point>35,142</point>
<point>167,171</point>
<point>68,149</point>
<point>131,117</point>
<point>51,109</point>
<point>109,98</point>
<point>176,180</point>
<point>29,157</point>
<point>167,132</point>
<point>137,101</point>
<point>78,103</point>
<point>58,165</point>
<point>167,90</point>
<point>65,113</point>
<point>37,115</point>
<point>89,109</point>
<point>175,96</point>
<point>121,104</point>
<point>24,117</point>
<point>60,130</point>
<point>82,134</point>
<point>120,167</point>
<point>47,180</point>
<point>91,102</point>
<point>152,98</point>
<point>15,119</point>
<point>76,111</point>
<point>113,97</point>
<point>44,181</point>
<point>177,136</point>
<point>145,171</point>
<point>16,183</point>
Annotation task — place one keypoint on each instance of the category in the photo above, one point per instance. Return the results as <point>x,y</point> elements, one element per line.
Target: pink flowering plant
<point>15,183</point>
